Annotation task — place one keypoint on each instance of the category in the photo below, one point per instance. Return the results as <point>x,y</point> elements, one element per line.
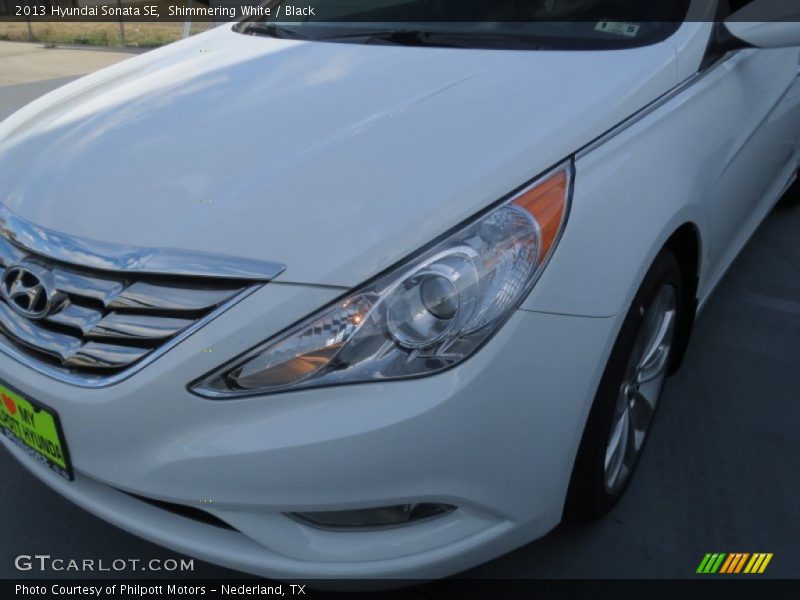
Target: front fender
<point>632,192</point>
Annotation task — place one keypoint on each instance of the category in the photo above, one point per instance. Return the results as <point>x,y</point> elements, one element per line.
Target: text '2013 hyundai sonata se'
<point>359,298</point>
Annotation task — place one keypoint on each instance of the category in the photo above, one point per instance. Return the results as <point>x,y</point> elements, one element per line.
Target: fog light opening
<point>373,518</point>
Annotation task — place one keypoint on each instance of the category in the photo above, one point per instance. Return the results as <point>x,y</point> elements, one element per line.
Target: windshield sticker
<point>617,28</point>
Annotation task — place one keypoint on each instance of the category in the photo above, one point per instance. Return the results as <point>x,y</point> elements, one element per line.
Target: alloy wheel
<point>643,383</point>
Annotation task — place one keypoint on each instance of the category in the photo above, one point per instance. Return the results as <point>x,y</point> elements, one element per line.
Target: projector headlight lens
<point>426,315</point>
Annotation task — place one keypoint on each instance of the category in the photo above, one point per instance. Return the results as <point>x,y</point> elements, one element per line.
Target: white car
<point>351,298</point>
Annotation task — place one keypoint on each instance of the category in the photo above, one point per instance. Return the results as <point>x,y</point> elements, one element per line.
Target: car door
<point>757,97</point>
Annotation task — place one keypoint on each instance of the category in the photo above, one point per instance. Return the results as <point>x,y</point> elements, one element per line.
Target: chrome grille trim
<point>103,326</point>
<point>92,324</point>
<point>104,356</point>
<point>168,298</point>
<point>9,253</point>
<point>102,290</point>
<point>106,256</point>
<point>136,327</point>
<point>79,317</point>
<point>35,337</point>
<point>88,380</point>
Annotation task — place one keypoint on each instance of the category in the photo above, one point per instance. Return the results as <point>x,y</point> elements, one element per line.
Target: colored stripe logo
<point>734,563</point>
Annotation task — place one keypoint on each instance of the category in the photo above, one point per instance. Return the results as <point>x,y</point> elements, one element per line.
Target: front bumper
<point>495,437</point>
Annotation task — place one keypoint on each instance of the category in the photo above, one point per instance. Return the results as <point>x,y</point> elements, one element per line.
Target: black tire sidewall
<point>587,497</point>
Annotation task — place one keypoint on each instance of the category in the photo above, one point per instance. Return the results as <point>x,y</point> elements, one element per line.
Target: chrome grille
<point>106,322</point>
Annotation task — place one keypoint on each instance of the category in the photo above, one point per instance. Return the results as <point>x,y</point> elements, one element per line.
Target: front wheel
<point>629,392</point>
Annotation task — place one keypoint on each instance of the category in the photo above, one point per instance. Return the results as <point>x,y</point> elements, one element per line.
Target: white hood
<point>335,159</point>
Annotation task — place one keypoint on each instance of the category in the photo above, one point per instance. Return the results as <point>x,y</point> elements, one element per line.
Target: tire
<point>628,394</point>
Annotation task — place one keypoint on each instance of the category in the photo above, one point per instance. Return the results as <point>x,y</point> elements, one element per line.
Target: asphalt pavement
<point>720,473</point>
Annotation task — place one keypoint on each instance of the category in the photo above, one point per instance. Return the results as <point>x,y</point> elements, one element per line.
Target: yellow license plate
<point>35,429</point>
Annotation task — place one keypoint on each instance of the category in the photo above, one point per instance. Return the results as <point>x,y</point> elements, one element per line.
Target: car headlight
<point>425,315</point>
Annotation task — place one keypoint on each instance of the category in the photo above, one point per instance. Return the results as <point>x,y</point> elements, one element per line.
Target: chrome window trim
<point>107,256</point>
<point>102,381</point>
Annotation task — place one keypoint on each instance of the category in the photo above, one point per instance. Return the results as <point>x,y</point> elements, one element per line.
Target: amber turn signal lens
<point>547,202</point>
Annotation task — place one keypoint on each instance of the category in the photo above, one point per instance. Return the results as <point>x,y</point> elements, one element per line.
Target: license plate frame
<point>28,423</point>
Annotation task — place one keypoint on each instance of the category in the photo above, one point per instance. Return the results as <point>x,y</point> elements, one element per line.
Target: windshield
<point>500,24</point>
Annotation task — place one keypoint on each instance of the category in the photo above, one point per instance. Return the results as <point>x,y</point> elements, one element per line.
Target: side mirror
<point>767,24</point>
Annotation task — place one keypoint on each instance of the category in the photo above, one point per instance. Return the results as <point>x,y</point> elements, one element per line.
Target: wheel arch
<point>686,245</point>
